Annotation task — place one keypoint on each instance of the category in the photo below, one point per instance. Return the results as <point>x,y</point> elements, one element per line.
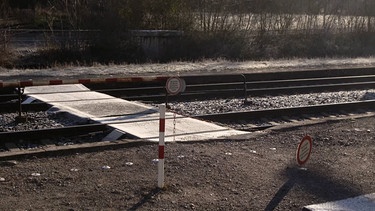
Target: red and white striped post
<point>161,146</point>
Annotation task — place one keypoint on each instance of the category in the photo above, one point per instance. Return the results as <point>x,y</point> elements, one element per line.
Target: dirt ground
<point>253,172</point>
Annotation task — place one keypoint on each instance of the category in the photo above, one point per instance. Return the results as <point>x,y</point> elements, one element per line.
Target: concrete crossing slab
<point>55,89</point>
<point>363,203</point>
<point>176,129</point>
<point>136,119</point>
<point>83,102</point>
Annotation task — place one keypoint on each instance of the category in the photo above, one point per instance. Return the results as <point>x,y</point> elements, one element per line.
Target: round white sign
<point>175,85</point>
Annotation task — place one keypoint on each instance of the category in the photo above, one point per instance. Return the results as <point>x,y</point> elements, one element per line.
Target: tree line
<point>234,29</point>
<point>169,14</point>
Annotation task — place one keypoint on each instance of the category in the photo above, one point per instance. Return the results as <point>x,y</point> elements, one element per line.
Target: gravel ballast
<point>269,102</point>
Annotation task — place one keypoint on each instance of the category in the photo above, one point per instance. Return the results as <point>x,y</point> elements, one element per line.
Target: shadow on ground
<point>146,198</point>
<point>315,182</point>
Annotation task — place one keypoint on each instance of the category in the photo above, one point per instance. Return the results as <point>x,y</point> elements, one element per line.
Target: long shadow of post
<point>281,193</point>
<point>312,181</point>
<point>145,199</point>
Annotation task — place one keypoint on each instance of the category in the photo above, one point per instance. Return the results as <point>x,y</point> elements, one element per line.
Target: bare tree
<point>4,9</point>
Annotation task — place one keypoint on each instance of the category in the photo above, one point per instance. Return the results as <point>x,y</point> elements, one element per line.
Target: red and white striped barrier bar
<point>161,146</point>
<point>81,81</point>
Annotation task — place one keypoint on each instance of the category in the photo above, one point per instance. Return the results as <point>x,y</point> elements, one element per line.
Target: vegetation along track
<point>217,86</point>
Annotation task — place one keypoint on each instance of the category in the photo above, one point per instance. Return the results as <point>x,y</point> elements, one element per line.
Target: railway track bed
<point>90,136</point>
<point>262,108</point>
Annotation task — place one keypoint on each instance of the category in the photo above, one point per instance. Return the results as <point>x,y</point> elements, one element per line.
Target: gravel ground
<point>256,172</point>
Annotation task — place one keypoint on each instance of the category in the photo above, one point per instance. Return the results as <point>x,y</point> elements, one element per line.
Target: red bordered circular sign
<point>304,150</point>
<point>175,85</point>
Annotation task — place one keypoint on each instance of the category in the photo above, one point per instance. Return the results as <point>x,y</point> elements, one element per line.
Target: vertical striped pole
<point>161,146</point>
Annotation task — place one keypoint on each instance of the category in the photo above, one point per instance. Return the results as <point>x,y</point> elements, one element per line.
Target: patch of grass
<point>52,57</point>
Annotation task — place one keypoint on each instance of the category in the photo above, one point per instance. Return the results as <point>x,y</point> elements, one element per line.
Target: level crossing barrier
<point>26,83</point>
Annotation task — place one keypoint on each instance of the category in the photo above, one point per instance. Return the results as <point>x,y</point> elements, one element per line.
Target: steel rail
<point>254,87</point>
<point>192,85</point>
<point>233,90</point>
<point>292,111</point>
<point>338,79</point>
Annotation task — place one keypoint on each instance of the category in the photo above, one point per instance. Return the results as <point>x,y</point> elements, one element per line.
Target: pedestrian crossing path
<point>125,117</point>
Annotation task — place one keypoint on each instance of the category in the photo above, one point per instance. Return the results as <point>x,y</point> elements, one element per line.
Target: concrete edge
<point>363,202</point>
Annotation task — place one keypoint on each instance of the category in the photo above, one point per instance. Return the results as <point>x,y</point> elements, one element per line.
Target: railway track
<point>15,143</point>
<point>261,119</point>
<point>35,141</point>
<point>214,87</point>
<point>241,85</point>
<point>238,85</point>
